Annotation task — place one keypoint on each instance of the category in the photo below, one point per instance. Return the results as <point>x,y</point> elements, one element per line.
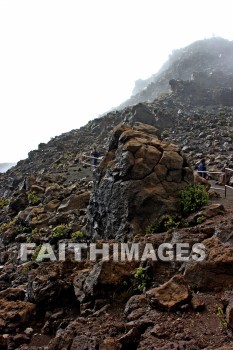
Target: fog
<point>64,63</point>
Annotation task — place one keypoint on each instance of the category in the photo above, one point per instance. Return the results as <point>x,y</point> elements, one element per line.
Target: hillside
<point>54,295</point>
<point>207,56</point>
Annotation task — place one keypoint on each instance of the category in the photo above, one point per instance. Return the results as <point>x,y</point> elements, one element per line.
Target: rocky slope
<point>114,305</point>
<point>197,115</point>
<point>134,304</point>
<point>207,56</point>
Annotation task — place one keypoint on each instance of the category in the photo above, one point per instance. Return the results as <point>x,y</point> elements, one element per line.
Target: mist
<point>62,64</point>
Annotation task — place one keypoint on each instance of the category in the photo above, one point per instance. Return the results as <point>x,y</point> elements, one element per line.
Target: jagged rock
<point>35,216</point>
<point>75,202</point>
<point>136,302</point>
<point>197,303</point>
<point>14,314</point>
<point>37,189</point>
<point>52,205</point>
<point>137,182</point>
<point>12,294</point>
<point>215,272</point>
<point>171,294</point>
<point>50,283</point>
<point>19,203</point>
<point>110,344</point>
<point>102,279</point>
<point>212,210</point>
<point>142,114</point>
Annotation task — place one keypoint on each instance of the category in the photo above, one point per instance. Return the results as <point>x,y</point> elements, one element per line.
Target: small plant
<point>77,235</point>
<point>26,268</point>
<point>201,219</point>
<point>193,198</point>
<point>4,202</point>
<point>165,133</point>
<point>60,231</point>
<point>170,223</point>
<point>185,224</point>
<point>7,225</point>
<point>150,230</point>
<point>33,198</point>
<point>139,279</point>
<point>23,229</point>
<point>221,317</point>
<point>35,231</point>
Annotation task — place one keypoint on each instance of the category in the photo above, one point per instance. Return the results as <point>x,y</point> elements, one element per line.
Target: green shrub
<point>77,235</point>
<point>33,198</point>
<point>60,231</point>
<point>193,198</point>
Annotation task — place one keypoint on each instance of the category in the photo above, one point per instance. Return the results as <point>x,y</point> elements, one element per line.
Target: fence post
<point>225,182</point>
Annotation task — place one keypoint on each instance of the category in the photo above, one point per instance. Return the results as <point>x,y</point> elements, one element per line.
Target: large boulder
<point>136,183</point>
<point>142,114</point>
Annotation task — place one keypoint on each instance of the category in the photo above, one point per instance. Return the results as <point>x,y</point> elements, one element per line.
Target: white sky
<point>65,62</point>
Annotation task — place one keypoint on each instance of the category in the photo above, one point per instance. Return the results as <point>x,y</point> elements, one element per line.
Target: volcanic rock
<point>137,182</point>
<point>215,272</point>
<point>171,294</point>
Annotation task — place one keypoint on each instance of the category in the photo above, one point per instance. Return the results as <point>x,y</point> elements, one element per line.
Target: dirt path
<point>228,201</point>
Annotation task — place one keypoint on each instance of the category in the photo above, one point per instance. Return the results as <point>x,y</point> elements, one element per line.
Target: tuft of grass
<point>4,202</point>
<point>221,316</point>
<point>201,219</point>
<point>33,198</point>
<point>77,235</point>
<point>60,231</point>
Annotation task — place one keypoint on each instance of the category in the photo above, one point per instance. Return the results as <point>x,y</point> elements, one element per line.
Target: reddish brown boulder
<point>75,201</point>
<point>171,294</point>
<point>14,314</point>
<point>215,272</point>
